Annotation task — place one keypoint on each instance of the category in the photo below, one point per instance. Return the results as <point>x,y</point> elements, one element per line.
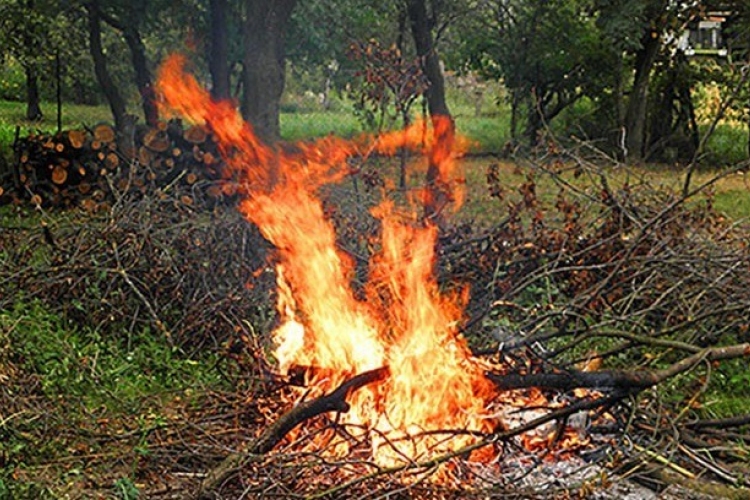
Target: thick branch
<point>632,381</point>
<point>721,423</point>
<point>333,401</point>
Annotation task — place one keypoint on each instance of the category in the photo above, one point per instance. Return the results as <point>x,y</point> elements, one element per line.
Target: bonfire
<point>387,357</point>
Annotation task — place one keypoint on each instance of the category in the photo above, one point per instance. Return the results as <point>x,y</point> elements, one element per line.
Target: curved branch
<point>333,401</point>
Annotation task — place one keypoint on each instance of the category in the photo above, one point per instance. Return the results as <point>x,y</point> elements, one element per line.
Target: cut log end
<point>157,140</point>
<point>59,175</point>
<point>104,133</point>
<point>196,134</point>
<point>76,138</point>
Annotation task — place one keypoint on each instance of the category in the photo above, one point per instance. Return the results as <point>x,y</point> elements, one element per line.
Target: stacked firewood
<point>91,167</point>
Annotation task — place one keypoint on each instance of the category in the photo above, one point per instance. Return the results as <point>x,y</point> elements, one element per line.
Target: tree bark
<point>115,100</point>
<point>421,31</point>
<point>264,60</point>
<point>33,107</point>
<point>218,58</point>
<point>635,118</point>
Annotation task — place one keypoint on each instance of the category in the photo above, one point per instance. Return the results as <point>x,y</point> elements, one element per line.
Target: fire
<point>435,389</point>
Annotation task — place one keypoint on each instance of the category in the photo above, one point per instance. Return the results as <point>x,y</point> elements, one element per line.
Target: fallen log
<point>333,401</point>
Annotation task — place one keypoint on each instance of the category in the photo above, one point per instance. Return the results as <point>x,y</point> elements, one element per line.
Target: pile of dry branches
<point>149,261</point>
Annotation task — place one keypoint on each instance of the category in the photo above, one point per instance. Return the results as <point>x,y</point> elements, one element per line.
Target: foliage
<point>12,81</point>
<point>548,73</point>
<point>126,489</point>
<point>322,32</point>
<point>727,145</point>
<point>35,34</point>
<point>387,85</point>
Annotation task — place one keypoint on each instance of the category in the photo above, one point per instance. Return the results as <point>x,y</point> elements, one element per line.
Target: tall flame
<point>434,388</point>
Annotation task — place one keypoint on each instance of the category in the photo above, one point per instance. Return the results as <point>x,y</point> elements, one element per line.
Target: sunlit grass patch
<point>299,126</point>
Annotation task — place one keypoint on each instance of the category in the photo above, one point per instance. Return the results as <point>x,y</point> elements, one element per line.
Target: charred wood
<point>333,401</point>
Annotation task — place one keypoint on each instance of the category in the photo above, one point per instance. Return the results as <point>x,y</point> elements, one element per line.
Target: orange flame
<point>434,388</point>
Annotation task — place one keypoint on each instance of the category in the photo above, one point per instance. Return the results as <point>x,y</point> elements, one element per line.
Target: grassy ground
<point>61,386</point>
<point>12,115</point>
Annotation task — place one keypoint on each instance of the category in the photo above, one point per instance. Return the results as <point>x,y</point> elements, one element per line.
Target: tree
<point>640,29</point>
<point>24,34</point>
<point>549,55</point>
<point>110,89</point>
<point>647,25</point>
<point>218,50</point>
<point>738,41</point>
<point>421,29</point>
<point>264,64</point>
<point>387,79</point>
<point>128,18</point>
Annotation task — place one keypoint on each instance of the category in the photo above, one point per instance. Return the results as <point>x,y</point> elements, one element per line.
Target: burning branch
<point>333,401</point>
<point>560,415</point>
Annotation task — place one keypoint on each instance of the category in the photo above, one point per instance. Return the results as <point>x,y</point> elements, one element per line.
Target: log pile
<point>90,168</point>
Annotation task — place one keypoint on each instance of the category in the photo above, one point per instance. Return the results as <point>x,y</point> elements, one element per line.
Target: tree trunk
<point>218,58</point>
<point>115,100</point>
<point>534,120</point>
<point>264,64</point>
<point>33,108</point>
<point>443,124</point>
<point>635,118</point>
<point>142,75</point>
<point>515,109</point>
<point>58,90</point>
<point>143,81</point>
<point>421,31</point>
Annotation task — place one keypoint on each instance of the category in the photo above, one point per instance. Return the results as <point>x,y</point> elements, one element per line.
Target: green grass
<point>488,133</point>
<point>13,114</point>
<point>73,115</point>
<point>727,145</point>
<point>299,126</point>
<point>70,384</point>
<point>734,203</point>
<point>119,371</point>
<point>729,391</point>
